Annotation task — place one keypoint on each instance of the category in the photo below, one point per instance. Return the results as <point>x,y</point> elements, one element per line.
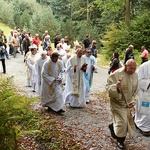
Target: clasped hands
<point>58,80</point>
<point>83,67</point>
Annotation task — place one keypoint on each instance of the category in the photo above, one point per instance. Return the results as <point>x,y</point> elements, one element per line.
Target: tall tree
<point>127,13</point>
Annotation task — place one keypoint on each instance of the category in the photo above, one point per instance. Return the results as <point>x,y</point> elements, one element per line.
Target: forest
<point>113,24</point>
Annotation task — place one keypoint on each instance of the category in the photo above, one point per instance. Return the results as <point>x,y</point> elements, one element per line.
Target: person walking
<point>86,42</point>
<point>57,40</point>
<point>122,86</point>
<point>36,40</point>
<point>90,61</point>
<point>142,111</point>
<point>115,63</point>
<point>25,44</point>
<point>144,55</point>
<point>30,66</point>
<point>51,90</point>
<point>74,93</point>
<point>38,69</point>
<point>15,44</point>
<point>9,42</point>
<point>93,49</point>
<point>3,56</point>
<point>129,53</point>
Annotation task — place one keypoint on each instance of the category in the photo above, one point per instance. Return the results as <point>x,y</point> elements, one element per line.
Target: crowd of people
<point>60,76</point>
<point>63,76</point>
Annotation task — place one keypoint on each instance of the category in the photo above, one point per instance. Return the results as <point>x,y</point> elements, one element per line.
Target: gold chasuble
<point>77,77</point>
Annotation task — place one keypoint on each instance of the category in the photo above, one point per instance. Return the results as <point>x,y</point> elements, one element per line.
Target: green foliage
<point>17,121</point>
<point>116,39</point>
<point>28,15</point>
<point>140,30</point>
<point>25,21</point>
<point>44,21</point>
<point>13,108</point>
<point>6,13</point>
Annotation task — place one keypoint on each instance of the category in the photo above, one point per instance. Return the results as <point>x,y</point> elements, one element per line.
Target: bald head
<point>130,66</point>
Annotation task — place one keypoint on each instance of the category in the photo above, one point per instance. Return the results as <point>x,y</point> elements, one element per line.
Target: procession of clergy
<point>60,77</point>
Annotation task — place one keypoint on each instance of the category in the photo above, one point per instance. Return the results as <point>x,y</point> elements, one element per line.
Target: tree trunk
<point>88,16</point>
<point>127,13</point>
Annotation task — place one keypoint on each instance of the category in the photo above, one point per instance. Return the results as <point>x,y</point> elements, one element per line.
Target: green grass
<point>5,28</point>
<point>102,61</point>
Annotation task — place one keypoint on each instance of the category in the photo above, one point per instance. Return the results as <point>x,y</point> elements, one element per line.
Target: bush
<point>117,39</point>
<point>13,109</point>
<point>140,30</point>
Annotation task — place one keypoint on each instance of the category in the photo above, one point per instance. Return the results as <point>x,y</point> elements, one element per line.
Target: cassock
<point>142,112</point>
<point>119,100</point>
<point>74,93</point>
<point>37,73</point>
<point>30,64</point>
<point>51,89</point>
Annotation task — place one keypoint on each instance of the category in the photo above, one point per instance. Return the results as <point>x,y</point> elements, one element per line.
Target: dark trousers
<point>144,60</point>
<point>10,49</point>
<point>119,139</point>
<point>3,65</point>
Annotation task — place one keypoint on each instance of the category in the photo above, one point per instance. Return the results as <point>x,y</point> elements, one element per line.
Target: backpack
<point>2,51</point>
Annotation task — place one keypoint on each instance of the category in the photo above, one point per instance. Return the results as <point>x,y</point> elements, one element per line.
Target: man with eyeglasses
<point>94,52</point>
<point>90,60</point>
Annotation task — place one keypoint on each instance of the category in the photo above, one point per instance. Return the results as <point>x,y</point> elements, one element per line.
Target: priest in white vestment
<point>51,89</point>
<point>122,88</point>
<point>30,64</point>
<point>64,62</point>
<point>37,72</point>
<point>142,111</point>
<point>90,60</point>
<point>74,93</point>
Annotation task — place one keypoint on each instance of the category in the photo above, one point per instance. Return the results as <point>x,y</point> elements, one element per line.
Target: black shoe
<point>147,134</point>
<point>121,146</point>
<point>61,111</point>
<point>50,109</point>
<point>33,91</point>
<point>144,133</point>
<point>112,131</point>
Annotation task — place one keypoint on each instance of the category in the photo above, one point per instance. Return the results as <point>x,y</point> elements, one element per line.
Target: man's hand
<point>92,67</point>
<point>75,67</point>
<point>130,106</point>
<point>118,84</point>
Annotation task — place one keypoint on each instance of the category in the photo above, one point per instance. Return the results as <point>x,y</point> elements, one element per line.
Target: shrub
<point>13,108</point>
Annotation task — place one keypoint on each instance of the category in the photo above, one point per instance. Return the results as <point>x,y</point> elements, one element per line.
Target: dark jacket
<point>129,55</point>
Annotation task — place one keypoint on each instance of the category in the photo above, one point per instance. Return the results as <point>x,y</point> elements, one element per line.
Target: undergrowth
<point>18,121</point>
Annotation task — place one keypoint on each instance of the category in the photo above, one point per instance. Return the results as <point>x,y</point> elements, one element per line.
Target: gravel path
<point>88,124</point>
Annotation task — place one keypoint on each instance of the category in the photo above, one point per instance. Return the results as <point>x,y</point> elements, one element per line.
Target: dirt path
<point>89,124</point>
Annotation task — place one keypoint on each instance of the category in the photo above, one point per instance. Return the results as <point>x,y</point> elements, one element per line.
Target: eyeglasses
<point>89,52</point>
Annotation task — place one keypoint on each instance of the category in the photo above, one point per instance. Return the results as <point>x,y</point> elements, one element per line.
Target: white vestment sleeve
<point>144,81</point>
<point>49,79</point>
<point>69,68</point>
